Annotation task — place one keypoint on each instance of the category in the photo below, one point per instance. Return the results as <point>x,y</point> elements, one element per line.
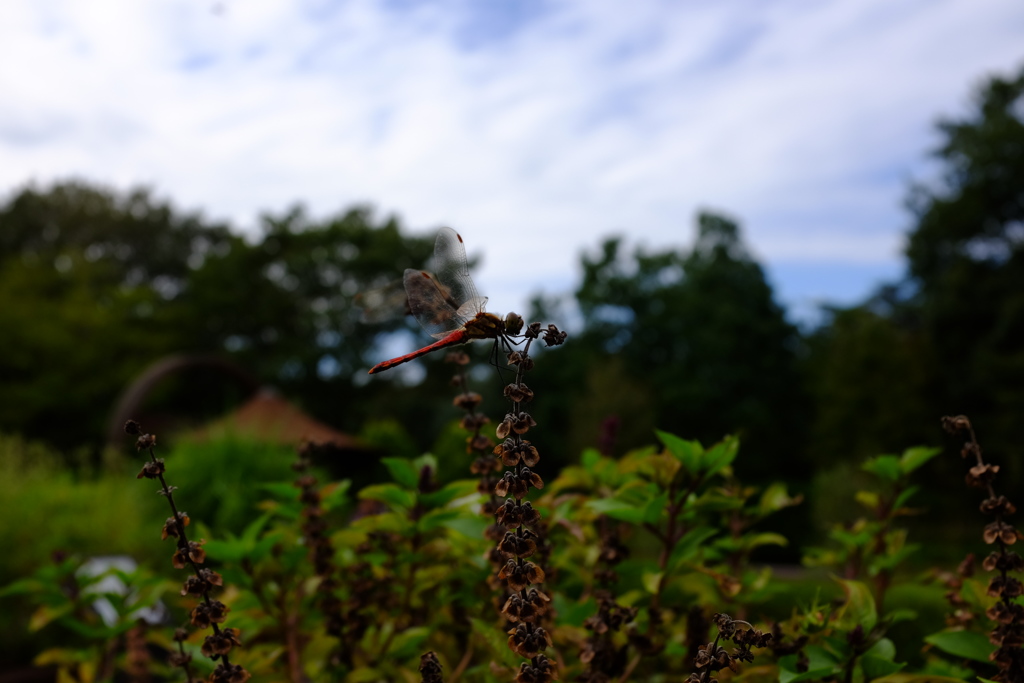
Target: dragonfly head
<point>513,324</point>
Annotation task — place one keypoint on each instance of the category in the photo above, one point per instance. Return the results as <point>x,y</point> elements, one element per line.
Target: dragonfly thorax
<point>484,326</point>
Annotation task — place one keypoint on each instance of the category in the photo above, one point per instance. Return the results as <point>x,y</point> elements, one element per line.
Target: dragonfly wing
<point>383,304</point>
<point>431,303</point>
<point>470,308</point>
<point>452,269</point>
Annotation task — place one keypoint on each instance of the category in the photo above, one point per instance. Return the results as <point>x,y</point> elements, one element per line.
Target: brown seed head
<point>430,668</point>
<point>553,336</point>
<point>152,469</point>
<point>998,505</point>
<point>520,393</point>
<point>1000,531</point>
<point>522,423</point>
<point>220,643</point>
<point>467,401</point>
<point>229,673</point>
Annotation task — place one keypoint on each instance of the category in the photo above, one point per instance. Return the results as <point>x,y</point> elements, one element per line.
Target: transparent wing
<point>383,304</point>
<point>452,270</point>
<point>431,303</point>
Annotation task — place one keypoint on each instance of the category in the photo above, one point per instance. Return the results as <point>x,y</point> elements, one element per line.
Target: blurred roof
<point>268,417</point>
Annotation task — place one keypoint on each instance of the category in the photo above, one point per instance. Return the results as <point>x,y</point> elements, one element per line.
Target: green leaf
<point>721,455</point>
<point>884,649</point>
<point>876,667</point>
<point>904,496</point>
<point>868,499</point>
<point>332,495</point>
<point>675,649</point>
<point>651,581</point>
<point>922,678</point>
<point>22,586</point>
<point>471,527</point>
<point>572,612</point>
<point>859,609</point>
<point>280,490</point>
<point>765,538</point>
<point>425,460</point>
<point>689,544</point>
<point>437,518</point>
<point>496,641</point>
<point>775,498</point>
<point>966,644</point>
<point>252,531</point>
<point>227,550</point>
<point>408,642</point>
<point>590,458</point>
<point>686,452</point>
<point>898,615</point>
<point>654,509</point>
<point>885,466</point>
<point>391,494</point>
<point>618,509</point>
<point>819,662</point>
<point>913,458</point>
<point>46,614</point>
<point>388,522</point>
<point>456,489</point>
<point>403,472</point>
<point>810,675</point>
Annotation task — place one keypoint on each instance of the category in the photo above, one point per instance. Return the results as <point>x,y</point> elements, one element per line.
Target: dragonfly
<point>447,305</point>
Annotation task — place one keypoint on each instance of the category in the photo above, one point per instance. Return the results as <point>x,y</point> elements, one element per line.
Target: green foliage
<point>411,574</point>
<point>947,338</point>
<point>690,338</point>
<point>966,255</point>
<point>84,513</point>
<point>873,546</point>
<point>140,279</point>
<point>967,644</point>
<point>50,511</point>
<point>222,478</point>
<point>869,375</point>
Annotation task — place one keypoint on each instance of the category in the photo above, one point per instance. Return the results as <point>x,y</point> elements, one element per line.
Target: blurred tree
<point>870,373</point>
<point>284,306</point>
<point>71,336</point>
<point>139,238</point>
<point>966,257</point>
<point>96,284</point>
<point>84,274</point>
<point>693,340</point>
<point>950,338</point>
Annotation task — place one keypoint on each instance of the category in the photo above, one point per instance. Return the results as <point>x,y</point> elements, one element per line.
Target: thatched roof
<point>268,417</point>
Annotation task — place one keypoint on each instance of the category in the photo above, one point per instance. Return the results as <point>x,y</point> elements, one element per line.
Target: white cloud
<point>805,119</point>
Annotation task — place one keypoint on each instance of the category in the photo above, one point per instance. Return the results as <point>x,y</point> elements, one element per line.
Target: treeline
<point>96,284</point>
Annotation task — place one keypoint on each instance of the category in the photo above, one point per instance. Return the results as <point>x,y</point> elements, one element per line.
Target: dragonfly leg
<point>494,359</point>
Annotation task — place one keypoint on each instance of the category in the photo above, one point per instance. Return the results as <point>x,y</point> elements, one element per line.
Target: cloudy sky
<point>533,127</point>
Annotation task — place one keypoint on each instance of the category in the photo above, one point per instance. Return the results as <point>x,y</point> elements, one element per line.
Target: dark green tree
<point>691,342</point>
<point>96,284</point>
<point>966,258</point>
<point>285,306</point>
<point>84,275</point>
<point>949,338</point>
<point>870,372</point>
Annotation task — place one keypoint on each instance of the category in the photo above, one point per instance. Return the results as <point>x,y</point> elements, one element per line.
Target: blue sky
<point>535,128</point>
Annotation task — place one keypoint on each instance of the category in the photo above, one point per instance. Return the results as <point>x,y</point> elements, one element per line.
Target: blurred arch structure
<point>263,416</point>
